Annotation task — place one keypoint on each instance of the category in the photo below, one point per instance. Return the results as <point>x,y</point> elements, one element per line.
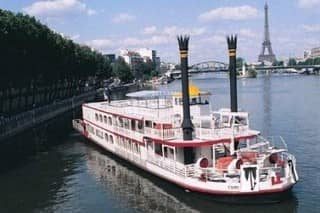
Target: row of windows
<point>128,145</point>
<point>105,119</point>
<point>121,122</point>
<point>108,138</point>
<point>125,143</point>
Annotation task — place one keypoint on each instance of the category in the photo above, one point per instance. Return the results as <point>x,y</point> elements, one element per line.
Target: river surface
<point>74,175</point>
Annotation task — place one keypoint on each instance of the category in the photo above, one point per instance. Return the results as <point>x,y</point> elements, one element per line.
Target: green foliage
<point>277,63</point>
<point>292,62</point>
<point>32,53</point>
<point>311,61</point>
<point>146,70</point>
<point>239,62</point>
<point>39,66</point>
<point>121,70</point>
<point>252,72</point>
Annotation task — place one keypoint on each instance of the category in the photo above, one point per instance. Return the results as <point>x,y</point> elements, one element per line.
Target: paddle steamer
<point>179,138</point>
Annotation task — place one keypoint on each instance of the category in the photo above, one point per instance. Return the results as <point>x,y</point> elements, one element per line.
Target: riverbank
<point>16,124</point>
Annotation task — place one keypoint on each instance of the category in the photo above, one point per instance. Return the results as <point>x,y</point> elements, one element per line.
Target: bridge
<point>207,66</point>
<point>288,67</point>
<point>216,66</point>
<point>302,69</point>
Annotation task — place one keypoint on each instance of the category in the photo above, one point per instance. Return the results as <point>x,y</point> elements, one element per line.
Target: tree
<point>122,70</point>
<point>292,62</point>
<point>39,65</point>
<point>239,62</point>
<point>316,61</point>
<point>277,63</point>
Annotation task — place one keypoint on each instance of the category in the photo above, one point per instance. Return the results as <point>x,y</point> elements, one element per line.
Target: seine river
<point>67,173</point>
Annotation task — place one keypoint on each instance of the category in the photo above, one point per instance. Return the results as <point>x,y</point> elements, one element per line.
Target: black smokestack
<point>232,47</point>
<point>186,123</point>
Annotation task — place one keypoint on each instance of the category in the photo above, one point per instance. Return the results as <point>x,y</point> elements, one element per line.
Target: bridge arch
<point>209,66</point>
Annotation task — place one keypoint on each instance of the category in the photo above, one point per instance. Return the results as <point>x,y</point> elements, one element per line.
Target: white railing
<point>128,133</point>
<point>211,174</point>
<point>160,133</point>
<point>226,132</point>
<point>167,164</point>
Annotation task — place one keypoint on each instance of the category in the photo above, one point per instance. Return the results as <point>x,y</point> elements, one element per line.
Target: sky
<point>111,25</point>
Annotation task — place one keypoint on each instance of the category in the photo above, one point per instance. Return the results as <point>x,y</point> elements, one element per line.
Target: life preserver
<point>203,162</point>
<point>273,158</point>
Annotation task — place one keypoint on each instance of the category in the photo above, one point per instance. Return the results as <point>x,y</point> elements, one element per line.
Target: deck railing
<point>210,174</point>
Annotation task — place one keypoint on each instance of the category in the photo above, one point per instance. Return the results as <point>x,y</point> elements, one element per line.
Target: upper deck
<point>159,117</point>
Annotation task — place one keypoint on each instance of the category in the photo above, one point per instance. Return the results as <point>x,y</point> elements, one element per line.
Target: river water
<point>74,175</point>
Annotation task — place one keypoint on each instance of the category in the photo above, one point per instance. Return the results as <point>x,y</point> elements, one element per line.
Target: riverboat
<point>214,153</point>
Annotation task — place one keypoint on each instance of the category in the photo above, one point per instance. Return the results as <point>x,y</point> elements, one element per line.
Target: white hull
<point>178,173</point>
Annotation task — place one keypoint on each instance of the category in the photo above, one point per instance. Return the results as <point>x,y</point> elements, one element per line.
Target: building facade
<point>315,52</point>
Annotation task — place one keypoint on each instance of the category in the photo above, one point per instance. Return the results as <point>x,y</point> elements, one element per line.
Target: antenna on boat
<point>187,125</point>
<point>232,47</point>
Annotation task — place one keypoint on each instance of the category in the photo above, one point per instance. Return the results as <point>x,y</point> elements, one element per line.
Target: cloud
<point>152,36</point>
<point>229,13</point>
<point>75,37</point>
<point>149,30</point>
<point>308,3</point>
<point>101,43</point>
<point>55,8</point>
<point>123,17</point>
<point>311,28</point>
<point>174,31</point>
<point>247,33</point>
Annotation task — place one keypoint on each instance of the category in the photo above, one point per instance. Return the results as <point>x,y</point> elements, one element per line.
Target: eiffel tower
<point>266,44</point>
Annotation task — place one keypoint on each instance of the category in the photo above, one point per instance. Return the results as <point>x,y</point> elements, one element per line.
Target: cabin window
<point>165,150</point>
<point>126,123</point>
<point>140,125</point>
<point>133,125</point>
<point>115,120</point>
<point>100,116</point>
<point>148,123</point>
<point>168,152</point>
<point>193,101</point>
<point>120,122</point>
<point>240,120</point>
<point>97,117</point>
<point>111,139</point>
<point>149,144</point>
<point>106,137</point>
<point>110,121</point>
<point>225,119</point>
<point>105,119</point>
<point>158,148</point>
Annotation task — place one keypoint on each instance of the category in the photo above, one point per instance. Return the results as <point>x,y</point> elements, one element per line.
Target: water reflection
<point>138,190</point>
<point>267,105</point>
